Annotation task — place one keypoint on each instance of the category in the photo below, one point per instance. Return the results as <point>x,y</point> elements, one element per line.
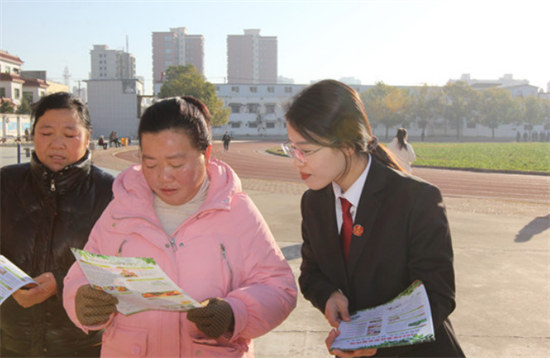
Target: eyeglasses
<point>300,155</point>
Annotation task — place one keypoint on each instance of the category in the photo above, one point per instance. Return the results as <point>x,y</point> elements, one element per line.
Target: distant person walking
<point>226,140</point>
<point>402,150</point>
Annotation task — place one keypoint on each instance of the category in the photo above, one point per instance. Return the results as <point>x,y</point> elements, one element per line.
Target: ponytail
<point>381,153</point>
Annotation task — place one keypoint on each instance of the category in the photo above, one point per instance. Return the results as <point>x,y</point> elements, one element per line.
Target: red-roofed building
<point>11,83</point>
<point>14,85</point>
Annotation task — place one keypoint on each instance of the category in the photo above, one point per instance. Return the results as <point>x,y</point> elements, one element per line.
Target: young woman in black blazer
<point>400,229</point>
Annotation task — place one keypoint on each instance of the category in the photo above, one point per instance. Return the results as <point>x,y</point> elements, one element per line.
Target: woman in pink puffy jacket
<point>188,212</point>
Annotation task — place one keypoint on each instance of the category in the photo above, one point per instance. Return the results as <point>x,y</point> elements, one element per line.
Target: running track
<point>250,160</point>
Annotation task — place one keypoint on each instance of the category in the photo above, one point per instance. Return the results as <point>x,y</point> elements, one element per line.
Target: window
<point>27,96</point>
<point>235,107</point>
<point>288,89</point>
<point>252,107</point>
<point>17,93</point>
<point>253,89</point>
<point>269,108</point>
<point>235,124</point>
<point>235,89</point>
<point>270,89</point>
<point>2,92</point>
<point>270,125</point>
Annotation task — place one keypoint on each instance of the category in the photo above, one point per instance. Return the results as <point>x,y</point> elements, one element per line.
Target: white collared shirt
<point>353,195</point>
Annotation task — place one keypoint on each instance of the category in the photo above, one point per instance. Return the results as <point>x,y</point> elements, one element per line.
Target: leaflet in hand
<point>12,278</point>
<point>138,283</point>
<point>405,320</point>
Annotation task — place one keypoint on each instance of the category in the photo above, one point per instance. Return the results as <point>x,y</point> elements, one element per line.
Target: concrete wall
<point>113,106</point>
<point>14,125</point>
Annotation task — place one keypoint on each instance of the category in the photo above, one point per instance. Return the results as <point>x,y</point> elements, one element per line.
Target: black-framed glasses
<point>300,155</point>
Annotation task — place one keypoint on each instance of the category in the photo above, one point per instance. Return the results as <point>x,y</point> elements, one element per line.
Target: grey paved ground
<point>502,264</point>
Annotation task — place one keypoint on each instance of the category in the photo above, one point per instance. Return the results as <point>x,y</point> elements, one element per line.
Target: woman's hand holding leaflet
<point>214,319</point>
<point>94,306</point>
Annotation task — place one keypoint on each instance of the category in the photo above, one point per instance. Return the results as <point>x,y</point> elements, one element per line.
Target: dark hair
<point>401,134</point>
<point>60,100</point>
<point>184,113</point>
<point>330,113</point>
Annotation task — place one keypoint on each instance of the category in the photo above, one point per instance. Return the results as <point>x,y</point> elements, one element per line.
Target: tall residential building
<point>114,92</point>
<point>112,64</point>
<point>174,48</point>
<point>251,58</point>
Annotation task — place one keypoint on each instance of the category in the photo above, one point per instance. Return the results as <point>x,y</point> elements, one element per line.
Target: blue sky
<point>407,42</point>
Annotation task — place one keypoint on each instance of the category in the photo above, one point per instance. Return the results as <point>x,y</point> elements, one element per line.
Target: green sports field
<point>524,157</point>
<point>514,157</point>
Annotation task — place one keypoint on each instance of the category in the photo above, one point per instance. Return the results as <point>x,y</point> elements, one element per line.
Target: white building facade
<point>113,92</point>
<point>111,64</point>
<point>113,106</point>
<point>258,109</point>
<point>11,82</point>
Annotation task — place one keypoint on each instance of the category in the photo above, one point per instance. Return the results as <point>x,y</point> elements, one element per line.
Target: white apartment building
<point>258,109</point>
<point>113,92</point>
<point>11,83</point>
<point>516,87</point>
<point>111,64</point>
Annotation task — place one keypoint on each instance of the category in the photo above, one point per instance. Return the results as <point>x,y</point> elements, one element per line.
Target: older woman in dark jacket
<point>48,206</point>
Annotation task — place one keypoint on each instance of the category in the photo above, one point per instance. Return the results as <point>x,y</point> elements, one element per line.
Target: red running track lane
<point>250,160</point>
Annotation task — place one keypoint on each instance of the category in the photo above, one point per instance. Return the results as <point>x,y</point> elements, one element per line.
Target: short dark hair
<point>184,113</point>
<point>60,100</point>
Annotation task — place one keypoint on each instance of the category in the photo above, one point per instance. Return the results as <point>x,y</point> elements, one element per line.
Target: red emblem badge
<point>357,230</point>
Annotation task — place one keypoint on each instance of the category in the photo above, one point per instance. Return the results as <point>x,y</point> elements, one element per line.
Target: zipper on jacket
<point>52,185</point>
<point>224,255</point>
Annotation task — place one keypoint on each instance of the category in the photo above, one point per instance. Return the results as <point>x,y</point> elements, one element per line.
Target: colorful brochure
<point>12,278</point>
<point>405,320</point>
<point>138,283</point>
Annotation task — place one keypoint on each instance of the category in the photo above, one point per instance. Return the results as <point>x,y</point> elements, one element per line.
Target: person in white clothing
<point>402,150</point>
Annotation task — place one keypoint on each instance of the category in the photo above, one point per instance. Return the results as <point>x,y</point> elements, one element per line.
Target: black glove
<point>93,306</point>
<point>214,319</point>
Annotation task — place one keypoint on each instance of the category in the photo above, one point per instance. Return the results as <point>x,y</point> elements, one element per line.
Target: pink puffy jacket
<point>224,250</point>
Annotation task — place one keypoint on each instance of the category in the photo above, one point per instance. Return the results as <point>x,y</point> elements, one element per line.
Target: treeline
<point>456,104</point>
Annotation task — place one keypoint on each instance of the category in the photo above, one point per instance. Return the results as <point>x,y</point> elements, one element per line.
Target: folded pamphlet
<point>138,283</point>
<point>12,278</point>
<point>405,320</point>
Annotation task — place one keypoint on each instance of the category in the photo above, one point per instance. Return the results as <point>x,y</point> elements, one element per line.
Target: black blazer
<point>406,237</point>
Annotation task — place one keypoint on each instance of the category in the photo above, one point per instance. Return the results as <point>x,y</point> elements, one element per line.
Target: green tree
<point>460,104</point>
<point>426,106</point>
<point>496,106</point>
<point>186,80</point>
<point>7,107</point>
<point>24,107</point>
<point>532,110</point>
<point>386,105</point>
